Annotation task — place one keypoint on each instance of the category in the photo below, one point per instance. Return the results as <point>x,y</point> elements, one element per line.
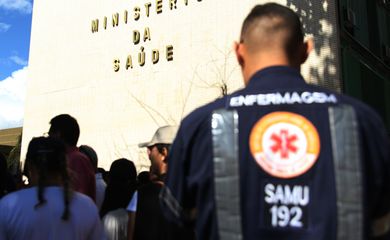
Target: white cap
<point>163,135</point>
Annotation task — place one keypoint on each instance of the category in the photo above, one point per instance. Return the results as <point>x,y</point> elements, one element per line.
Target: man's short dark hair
<point>281,19</point>
<point>67,126</point>
<point>160,147</point>
<point>91,154</point>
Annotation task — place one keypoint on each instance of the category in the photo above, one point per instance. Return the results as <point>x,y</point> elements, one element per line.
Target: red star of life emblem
<point>283,142</point>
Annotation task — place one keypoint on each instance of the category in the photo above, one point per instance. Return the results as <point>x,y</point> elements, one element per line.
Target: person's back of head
<point>271,35</point>
<point>121,185</point>
<point>104,174</point>
<point>91,154</point>
<point>46,165</point>
<point>66,128</point>
<point>272,26</point>
<point>122,170</point>
<point>143,178</point>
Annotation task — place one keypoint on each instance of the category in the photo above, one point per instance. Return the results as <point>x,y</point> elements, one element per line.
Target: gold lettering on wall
<point>147,7</point>
<point>155,56</point>
<point>144,55</point>
<point>172,4</point>
<point>169,53</point>
<point>137,13</point>
<point>136,37</point>
<point>95,25</point>
<point>129,62</point>
<point>147,34</point>
<point>159,6</point>
<point>115,19</point>
<point>141,57</point>
<point>125,14</point>
<point>116,65</point>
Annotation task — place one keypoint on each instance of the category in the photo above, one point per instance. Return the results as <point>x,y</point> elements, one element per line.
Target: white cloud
<point>4,27</point>
<point>12,96</point>
<point>18,60</point>
<point>23,6</point>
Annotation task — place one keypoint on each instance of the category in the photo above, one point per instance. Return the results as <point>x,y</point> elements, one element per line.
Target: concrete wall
<point>72,68</point>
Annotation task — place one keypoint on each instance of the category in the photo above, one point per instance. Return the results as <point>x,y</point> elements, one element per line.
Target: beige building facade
<point>123,68</point>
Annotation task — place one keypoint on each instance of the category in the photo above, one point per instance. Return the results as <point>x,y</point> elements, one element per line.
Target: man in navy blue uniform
<point>311,163</point>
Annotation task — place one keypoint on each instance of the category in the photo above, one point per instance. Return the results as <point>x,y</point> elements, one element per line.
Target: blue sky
<point>15,29</point>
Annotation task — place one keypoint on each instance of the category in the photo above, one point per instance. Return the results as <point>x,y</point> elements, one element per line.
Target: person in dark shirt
<point>279,159</point>
<point>143,178</point>
<point>7,183</point>
<point>120,188</point>
<point>146,220</point>
<point>66,128</point>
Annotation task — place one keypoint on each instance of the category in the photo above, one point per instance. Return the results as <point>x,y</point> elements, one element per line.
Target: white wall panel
<point>71,68</point>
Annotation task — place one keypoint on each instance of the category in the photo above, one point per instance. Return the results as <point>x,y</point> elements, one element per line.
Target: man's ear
<point>165,152</point>
<point>238,48</point>
<point>308,46</point>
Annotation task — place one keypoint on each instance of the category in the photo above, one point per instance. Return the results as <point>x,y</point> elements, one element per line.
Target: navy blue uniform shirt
<point>295,203</point>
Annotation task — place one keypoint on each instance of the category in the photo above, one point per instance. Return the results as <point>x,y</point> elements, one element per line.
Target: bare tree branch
<point>149,110</point>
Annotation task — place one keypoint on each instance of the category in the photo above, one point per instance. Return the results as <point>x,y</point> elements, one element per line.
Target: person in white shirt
<point>49,209</point>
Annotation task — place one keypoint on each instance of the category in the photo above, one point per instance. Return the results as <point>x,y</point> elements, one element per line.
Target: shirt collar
<point>276,77</point>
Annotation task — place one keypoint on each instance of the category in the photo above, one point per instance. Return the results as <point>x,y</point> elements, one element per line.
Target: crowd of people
<point>68,198</point>
<point>240,167</point>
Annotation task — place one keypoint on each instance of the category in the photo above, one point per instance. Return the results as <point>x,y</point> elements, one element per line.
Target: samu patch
<point>284,144</point>
<point>285,205</point>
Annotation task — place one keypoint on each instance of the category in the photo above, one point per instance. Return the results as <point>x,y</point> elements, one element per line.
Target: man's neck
<point>259,62</point>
